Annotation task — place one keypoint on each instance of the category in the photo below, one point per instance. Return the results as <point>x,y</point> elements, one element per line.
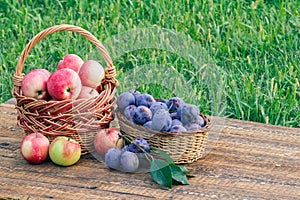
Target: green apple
<point>64,151</point>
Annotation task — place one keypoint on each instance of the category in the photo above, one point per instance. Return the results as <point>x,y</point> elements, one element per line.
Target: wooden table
<point>249,161</point>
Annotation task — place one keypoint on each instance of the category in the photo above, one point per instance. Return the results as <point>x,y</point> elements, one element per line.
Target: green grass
<point>253,46</point>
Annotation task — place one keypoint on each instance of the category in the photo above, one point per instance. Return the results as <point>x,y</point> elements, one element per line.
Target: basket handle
<point>110,71</point>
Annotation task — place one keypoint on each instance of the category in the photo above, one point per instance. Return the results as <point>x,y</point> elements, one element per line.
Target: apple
<point>45,71</point>
<point>34,84</point>
<point>71,61</point>
<point>64,151</point>
<point>64,84</point>
<point>106,139</point>
<point>91,73</point>
<point>87,92</point>
<point>34,148</point>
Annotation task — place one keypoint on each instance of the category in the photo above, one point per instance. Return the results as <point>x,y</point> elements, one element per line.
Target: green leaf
<point>183,169</point>
<point>161,173</point>
<point>178,175</point>
<point>164,154</point>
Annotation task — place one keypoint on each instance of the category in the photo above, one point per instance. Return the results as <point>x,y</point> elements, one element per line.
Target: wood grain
<point>248,161</point>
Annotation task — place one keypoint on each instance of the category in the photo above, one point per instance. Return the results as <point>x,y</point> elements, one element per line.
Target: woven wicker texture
<point>184,147</point>
<point>78,119</point>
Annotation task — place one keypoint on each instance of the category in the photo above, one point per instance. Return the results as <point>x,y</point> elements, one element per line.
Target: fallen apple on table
<point>34,148</point>
<point>106,139</point>
<point>64,151</point>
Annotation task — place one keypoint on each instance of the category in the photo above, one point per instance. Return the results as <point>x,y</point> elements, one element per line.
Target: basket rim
<point>206,128</point>
<point>34,114</point>
<point>110,70</point>
<point>59,28</point>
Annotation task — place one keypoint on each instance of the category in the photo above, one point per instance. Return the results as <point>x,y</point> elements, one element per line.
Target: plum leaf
<point>160,172</point>
<point>163,154</point>
<point>178,175</point>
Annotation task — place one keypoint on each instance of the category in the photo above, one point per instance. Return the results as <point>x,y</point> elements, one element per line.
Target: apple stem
<point>36,133</point>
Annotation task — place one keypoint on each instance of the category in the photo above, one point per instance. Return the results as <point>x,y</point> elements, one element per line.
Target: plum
<point>176,122</point>
<point>173,103</point>
<point>144,100</point>
<point>129,112</point>
<point>129,161</point>
<point>112,158</point>
<point>192,126</point>
<point>158,105</point>
<point>177,128</point>
<point>137,144</point>
<point>161,120</point>
<point>189,114</point>
<point>125,99</point>
<point>148,124</point>
<point>135,93</point>
<point>174,115</point>
<point>162,101</point>
<point>141,115</point>
<point>178,113</point>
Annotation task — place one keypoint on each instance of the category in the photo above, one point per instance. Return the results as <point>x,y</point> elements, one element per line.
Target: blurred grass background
<point>255,44</point>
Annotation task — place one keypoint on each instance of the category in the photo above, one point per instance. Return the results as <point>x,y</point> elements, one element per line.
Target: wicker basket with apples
<point>74,100</point>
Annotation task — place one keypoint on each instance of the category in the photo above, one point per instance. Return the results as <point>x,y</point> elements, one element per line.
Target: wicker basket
<point>184,147</point>
<point>78,119</point>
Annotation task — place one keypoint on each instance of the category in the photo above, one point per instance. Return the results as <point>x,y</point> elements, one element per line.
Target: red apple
<point>71,61</point>
<point>64,84</point>
<point>106,139</point>
<point>34,148</point>
<point>43,70</point>
<point>87,92</point>
<point>91,73</point>
<point>64,151</point>
<point>34,84</point>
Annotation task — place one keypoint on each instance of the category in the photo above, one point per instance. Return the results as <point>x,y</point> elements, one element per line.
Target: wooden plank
<point>249,161</point>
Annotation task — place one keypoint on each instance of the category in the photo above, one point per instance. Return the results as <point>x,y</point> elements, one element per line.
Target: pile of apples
<point>63,151</point>
<point>73,79</point>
